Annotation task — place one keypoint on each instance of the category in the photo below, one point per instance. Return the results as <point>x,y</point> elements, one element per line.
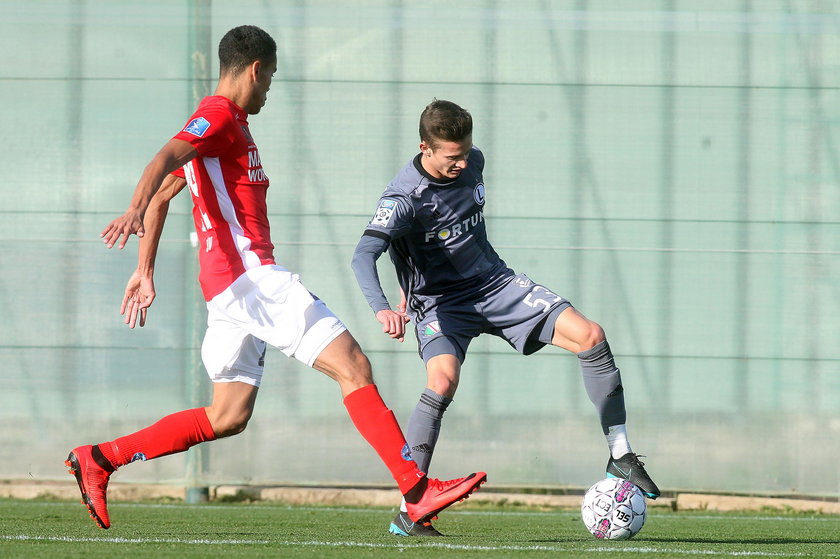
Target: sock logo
<point>406,453</point>
<point>137,456</point>
<point>618,390</point>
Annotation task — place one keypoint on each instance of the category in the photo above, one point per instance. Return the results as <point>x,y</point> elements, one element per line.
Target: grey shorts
<point>521,312</point>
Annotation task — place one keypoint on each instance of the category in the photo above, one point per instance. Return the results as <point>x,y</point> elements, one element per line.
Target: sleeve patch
<point>383,213</point>
<point>197,126</point>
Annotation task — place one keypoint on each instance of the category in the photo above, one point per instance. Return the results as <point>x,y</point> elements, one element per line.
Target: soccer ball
<point>614,509</point>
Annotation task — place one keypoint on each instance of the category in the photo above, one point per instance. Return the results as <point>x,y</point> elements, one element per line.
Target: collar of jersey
<point>433,180</point>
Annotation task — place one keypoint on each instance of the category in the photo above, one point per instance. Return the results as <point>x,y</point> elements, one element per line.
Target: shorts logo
<point>478,194</point>
<point>523,281</point>
<point>432,328</point>
<point>197,126</point>
<point>384,212</point>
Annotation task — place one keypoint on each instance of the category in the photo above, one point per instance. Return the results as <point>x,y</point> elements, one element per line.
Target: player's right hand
<point>393,323</point>
<point>130,222</point>
<point>138,297</point>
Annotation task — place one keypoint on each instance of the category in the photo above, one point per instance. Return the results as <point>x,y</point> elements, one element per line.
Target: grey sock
<point>602,381</point>
<point>424,427</point>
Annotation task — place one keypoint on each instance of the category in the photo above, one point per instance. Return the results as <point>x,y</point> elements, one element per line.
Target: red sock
<point>379,427</point>
<point>174,433</point>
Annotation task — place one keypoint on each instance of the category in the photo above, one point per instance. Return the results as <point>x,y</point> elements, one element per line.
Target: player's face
<point>262,83</point>
<point>445,160</point>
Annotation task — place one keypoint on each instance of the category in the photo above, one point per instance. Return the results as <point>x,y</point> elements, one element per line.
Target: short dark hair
<point>446,121</point>
<point>243,45</point>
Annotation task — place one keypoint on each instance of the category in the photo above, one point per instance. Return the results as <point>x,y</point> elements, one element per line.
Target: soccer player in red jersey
<point>251,301</point>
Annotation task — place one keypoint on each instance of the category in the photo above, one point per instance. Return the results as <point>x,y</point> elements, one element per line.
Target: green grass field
<point>47,529</point>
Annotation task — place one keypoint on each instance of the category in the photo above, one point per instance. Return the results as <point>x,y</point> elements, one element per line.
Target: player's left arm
<point>140,289</point>
<point>174,154</point>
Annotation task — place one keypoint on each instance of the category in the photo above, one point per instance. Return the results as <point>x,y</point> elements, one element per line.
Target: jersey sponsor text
<point>457,229</point>
<point>255,170</point>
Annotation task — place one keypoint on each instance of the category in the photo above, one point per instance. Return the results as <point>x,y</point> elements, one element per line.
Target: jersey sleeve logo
<point>478,194</point>
<point>197,126</point>
<point>383,213</point>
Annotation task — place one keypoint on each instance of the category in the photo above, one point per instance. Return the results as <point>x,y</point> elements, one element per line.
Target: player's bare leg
<point>602,380</point>
<point>576,333</point>
<point>231,408</point>
<point>344,361</point>
<point>92,465</point>
<point>442,374</point>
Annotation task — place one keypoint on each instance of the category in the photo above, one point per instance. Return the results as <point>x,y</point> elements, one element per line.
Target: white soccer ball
<point>614,509</point>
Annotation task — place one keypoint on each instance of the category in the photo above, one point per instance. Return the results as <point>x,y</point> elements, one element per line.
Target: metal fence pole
<point>200,53</point>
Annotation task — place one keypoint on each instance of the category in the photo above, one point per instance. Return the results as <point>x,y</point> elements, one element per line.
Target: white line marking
<point>24,537</point>
<point>423,545</point>
<point>660,517</point>
<point>696,552</point>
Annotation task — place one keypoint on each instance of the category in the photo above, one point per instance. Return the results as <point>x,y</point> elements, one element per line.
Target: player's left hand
<point>139,295</point>
<point>393,323</point>
<point>131,222</point>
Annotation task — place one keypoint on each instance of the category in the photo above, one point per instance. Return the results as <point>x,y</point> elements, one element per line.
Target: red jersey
<point>228,188</point>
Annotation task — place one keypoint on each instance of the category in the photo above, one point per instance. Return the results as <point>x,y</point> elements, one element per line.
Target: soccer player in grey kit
<point>455,287</point>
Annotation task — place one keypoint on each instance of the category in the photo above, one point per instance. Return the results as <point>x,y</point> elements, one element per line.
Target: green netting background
<point>672,167</point>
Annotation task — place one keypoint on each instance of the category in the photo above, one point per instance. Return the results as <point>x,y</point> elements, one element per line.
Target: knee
<point>442,374</point>
<point>361,364</point>
<point>593,335</point>
<point>228,424</point>
<point>443,385</point>
<point>442,380</point>
<point>357,368</point>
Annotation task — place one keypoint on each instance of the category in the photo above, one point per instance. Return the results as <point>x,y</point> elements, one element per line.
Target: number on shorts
<point>532,301</point>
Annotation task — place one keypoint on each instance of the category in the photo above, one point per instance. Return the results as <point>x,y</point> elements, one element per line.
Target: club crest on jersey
<point>197,126</point>
<point>384,212</point>
<point>431,328</point>
<point>478,194</point>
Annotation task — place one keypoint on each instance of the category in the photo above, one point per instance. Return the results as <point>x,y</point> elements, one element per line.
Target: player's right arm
<point>367,252</point>
<point>173,155</point>
<point>393,218</point>
<point>140,289</point>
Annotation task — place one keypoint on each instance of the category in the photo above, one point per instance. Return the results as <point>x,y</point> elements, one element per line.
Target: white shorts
<point>265,305</point>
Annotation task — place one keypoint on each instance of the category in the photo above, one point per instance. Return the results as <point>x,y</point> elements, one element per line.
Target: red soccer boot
<point>93,483</point>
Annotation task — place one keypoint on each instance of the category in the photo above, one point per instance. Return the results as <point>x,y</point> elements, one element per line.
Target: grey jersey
<point>436,235</point>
